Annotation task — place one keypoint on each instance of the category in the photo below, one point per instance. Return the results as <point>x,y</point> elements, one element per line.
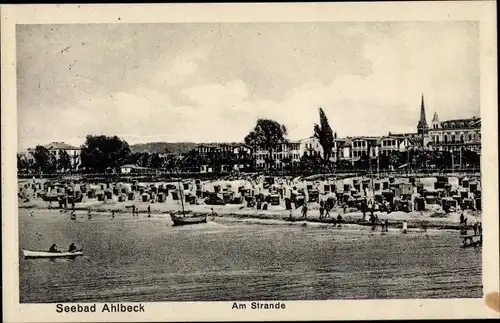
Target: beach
<point>414,219</point>
<point>243,252</point>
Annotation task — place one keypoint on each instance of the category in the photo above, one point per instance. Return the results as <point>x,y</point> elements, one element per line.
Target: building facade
<point>238,153</point>
<point>279,156</point>
<point>455,135</point>
<point>56,149</point>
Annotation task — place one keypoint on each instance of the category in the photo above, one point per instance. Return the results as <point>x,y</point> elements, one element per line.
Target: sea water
<point>147,259</point>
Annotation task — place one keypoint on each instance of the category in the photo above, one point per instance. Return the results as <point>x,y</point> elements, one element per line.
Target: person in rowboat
<point>72,247</point>
<point>53,248</point>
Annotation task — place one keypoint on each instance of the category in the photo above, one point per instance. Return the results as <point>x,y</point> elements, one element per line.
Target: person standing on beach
<point>474,227</point>
<point>386,225</point>
<point>149,211</point>
<point>363,208</point>
<point>304,210</point>
<point>89,214</point>
<point>321,209</point>
<point>327,211</point>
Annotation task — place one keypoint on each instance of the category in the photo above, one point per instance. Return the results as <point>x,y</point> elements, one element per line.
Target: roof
<point>221,144</point>
<point>60,145</point>
<point>461,123</point>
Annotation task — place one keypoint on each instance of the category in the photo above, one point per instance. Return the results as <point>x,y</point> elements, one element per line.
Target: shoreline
<point>415,220</point>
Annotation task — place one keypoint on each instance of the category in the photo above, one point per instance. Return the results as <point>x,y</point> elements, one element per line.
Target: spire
<point>422,123</point>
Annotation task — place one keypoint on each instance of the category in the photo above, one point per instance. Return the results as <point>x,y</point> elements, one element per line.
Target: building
<point>455,135</point>
<point>223,149</point>
<point>56,149</point>
<point>397,142</point>
<point>279,156</point>
<point>364,146</point>
<point>310,146</point>
<point>342,149</point>
<point>422,127</point>
<point>133,169</point>
<point>239,153</point>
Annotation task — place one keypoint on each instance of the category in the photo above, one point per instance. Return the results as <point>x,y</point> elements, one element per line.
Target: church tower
<point>422,126</point>
<point>435,121</point>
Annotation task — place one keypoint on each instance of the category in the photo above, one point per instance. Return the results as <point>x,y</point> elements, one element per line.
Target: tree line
<point>102,153</point>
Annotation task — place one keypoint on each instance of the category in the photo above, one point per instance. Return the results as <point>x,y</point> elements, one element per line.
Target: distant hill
<point>162,147</point>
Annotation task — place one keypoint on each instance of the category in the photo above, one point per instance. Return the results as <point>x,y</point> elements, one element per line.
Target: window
<point>445,139</point>
<point>452,139</point>
<point>461,138</point>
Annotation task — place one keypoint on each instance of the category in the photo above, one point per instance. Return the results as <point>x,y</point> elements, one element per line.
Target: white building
<point>364,146</point>
<point>279,156</point>
<point>56,148</point>
<point>310,146</point>
<point>455,135</point>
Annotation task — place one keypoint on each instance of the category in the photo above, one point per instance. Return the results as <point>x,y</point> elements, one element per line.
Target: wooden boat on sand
<point>186,220</point>
<point>182,219</point>
<point>46,254</point>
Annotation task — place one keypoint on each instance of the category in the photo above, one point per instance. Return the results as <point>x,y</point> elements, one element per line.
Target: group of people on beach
<point>477,227</point>
<point>135,212</point>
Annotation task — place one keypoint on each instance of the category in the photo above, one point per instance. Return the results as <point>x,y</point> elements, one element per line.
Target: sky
<point>210,82</point>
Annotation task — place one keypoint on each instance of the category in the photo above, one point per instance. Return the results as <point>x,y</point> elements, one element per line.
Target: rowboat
<point>46,254</point>
<point>185,220</point>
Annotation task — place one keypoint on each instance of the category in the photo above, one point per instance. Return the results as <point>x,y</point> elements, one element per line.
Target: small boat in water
<point>185,220</point>
<point>46,254</point>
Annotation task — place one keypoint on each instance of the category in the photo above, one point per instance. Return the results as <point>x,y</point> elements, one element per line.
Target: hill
<point>162,147</point>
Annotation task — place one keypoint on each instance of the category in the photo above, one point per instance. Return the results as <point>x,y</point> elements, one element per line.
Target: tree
<point>64,161</point>
<point>22,162</point>
<point>323,132</point>
<point>470,158</point>
<point>43,159</point>
<point>267,134</point>
<point>101,152</point>
<point>191,160</point>
<point>155,161</point>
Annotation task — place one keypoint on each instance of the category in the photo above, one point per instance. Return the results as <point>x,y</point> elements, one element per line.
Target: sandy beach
<point>274,213</point>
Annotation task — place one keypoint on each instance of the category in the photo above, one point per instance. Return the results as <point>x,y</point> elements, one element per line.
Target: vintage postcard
<point>235,162</point>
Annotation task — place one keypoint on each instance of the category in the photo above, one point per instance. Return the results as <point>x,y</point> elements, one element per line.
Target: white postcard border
<point>483,11</point>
